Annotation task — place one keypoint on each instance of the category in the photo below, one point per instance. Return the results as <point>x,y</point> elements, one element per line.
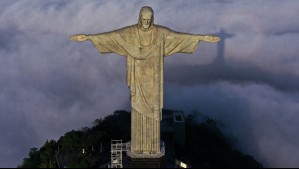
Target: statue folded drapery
<point>145,45</point>
<point>145,75</point>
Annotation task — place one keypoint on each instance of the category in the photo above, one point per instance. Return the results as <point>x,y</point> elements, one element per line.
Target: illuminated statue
<point>145,45</point>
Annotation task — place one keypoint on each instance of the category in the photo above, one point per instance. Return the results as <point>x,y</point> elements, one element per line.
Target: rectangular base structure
<point>130,162</point>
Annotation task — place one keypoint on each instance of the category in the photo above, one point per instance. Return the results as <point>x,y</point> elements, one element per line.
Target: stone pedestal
<point>144,160</point>
<point>130,162</point>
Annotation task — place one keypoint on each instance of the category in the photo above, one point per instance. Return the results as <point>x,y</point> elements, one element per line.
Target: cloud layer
<point>50,85</point>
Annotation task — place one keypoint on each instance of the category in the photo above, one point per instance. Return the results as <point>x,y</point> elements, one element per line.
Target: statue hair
<point>145,9</point>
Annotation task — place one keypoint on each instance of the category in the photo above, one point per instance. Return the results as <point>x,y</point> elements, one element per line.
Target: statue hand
<point>79,37</point>
<point>210,38</point>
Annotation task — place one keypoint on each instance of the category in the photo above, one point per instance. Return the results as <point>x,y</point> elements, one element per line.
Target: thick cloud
<point>50,85</point>
<point>237,72</point>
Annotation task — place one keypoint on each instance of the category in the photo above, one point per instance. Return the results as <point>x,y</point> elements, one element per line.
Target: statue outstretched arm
<point>79,37</point>
<point>209,38</point>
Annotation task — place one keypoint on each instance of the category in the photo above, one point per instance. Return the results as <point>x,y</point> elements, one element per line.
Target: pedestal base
<point>130,162</point>
<point>145,155</point>
<point>144,160</point>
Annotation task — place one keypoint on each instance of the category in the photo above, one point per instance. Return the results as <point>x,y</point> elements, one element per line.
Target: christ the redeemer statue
<point>145,45</point>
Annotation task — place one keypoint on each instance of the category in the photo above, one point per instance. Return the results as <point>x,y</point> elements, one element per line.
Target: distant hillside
<point>206,147</point>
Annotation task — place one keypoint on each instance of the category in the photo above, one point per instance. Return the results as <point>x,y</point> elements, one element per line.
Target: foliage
<point>68,150</point>
<point>34,159</point>
<point>205,146</point>
<point>208,148</point>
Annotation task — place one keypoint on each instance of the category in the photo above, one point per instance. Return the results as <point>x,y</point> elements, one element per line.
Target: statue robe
<point>145,66</point>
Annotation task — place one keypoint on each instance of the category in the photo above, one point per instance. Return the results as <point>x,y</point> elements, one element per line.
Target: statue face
<point>146,20</point>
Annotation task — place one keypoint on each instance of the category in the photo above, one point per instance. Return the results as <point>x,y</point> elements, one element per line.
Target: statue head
<point>146,18</point>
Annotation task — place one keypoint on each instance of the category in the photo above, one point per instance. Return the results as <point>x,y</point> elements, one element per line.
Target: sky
<point>248,82</point>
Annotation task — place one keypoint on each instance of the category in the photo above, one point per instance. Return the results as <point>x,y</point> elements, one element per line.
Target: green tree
<point>47,154</point>
<point>33,161</point>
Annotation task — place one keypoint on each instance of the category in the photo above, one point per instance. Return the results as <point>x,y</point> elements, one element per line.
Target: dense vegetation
<point>205,146</point>
<point>68,150</point>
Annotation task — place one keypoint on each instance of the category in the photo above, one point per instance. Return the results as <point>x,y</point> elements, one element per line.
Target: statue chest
<point>147,70</point>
